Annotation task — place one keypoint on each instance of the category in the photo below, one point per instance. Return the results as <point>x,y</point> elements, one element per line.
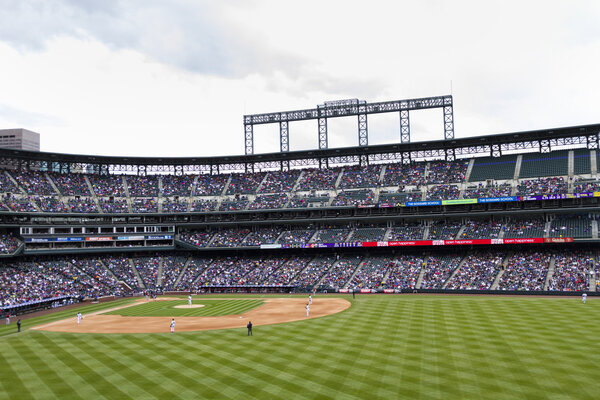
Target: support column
<point>284,137</point>
<point>363,133</point>
<point>448,122</point>
<point>404,126</point>
<point>322,133</point>
<point>249,138</point>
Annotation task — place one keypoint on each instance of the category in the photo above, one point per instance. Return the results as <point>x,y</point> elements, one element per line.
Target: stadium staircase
<point>297,182</point>
<point>137,274</point>
<point>386,275</point>
<point>550,272</point>
<point>92,193</point>
<point>593,160</point>
<point>339,179</point>
<point>571,163</point>
<point>261,183</point>
<point>197,278</point>
<point>547,229</point>
<point>503,263</point>
<point>421,274</point>
<point>501,233</point>
<point>53,185</point>
<point>159,274</point>
<point>126,288</point>
<point>426,232</point>
<point>185,267</point>
<point>460,231</point>
<point>469,169</point>
<point>333,264</point>
<point>518,166</point>
<point>360,265</point>
<point>14,181</point>
<point>194,186</point>
<point>382,174</point>
<point>592,282</point>
<point>462,262</point>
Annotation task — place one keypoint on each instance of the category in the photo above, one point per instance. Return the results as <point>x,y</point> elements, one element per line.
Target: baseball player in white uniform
<point>173,325</point>
<point>307,309</point>
<point>79,316</point>
<point>190,300</point>
<point>584,297</point>
<point>309,300</point>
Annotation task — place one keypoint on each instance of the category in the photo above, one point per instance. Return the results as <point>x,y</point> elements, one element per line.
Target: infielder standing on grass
<point>190,300</point>
<point>79,316</point>
<point>584,297</point>
<point>173,325</point>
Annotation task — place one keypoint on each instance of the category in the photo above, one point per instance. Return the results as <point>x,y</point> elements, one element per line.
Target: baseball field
<point>396,346</point>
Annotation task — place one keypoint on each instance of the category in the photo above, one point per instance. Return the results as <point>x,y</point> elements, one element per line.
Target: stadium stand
<point>495,168</point>
<point>555,163</point>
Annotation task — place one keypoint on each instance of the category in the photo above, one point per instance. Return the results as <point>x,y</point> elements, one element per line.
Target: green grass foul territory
<point>212,308</point>
<point>383,347</point>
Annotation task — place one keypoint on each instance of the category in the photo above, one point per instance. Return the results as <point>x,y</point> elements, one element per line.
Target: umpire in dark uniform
<point>19,326</point>
<point>249,326</point>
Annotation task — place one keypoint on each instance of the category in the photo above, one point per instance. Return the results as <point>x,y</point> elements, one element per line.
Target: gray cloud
<point>27,119</point>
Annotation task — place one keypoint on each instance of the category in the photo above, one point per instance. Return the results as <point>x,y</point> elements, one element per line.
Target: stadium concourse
<point>509,223</point>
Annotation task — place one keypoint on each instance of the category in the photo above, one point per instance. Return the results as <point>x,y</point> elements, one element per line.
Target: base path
<point>273,311</point>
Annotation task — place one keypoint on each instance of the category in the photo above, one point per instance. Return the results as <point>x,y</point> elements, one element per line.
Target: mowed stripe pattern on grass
<point>430,347</point>
<point>212,308</point>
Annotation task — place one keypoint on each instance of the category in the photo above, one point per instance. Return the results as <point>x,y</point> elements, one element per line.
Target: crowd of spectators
<point>148,269</point>
<point>571,271</point>
<point>360,177</point>
<point>477,272</point>
<point>525,271</point>
<point>542,186</point>
<point>443,230</point>
<point>261,273</point>
<point>51,204</point>
<point>8,243</point>
<point>19,204</point>
<point>286,273</point>
<point>177,185</point>
<point>438,269</point>
<point>121,268</point>
<point>314,271</point>
<point>115,205</point>
<point>404,272</point>
<point>481,229</point>
<point>296,236</point>
<point>262,236</point>
<point>203,205</point>
<point>172,266</point>
<point>233,204</point>
<point>442,192</point>
<point>586,186</point>
<point>269,201</point>
<point>304,201</point>
<point>229,237</point>
<point>94,268</point>
<point>34,183</point>
<point>412,174</point>
<point>174,205</point>
<point>488,190</point>
<point>6,184</point>
<point>144,205</point>
<point>531,227</point>
<point>71,184</point>
<point>107,186</point>
<point>318,179</point>
<point>406,231</point>
<point>341,272</point>
<point>194,268</point>
<point>142,186</point>
<point>210,185</point>
<point>197,238</point>
<point>82,205</point>
<point>371,273</point>
<point>246,183</point>
<point>360,197</point>
<point>280,181</point>
<point>332,235</point>
<point>442,172</point>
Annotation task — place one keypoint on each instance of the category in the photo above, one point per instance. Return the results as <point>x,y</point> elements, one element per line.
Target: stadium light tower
<point>346,108</point>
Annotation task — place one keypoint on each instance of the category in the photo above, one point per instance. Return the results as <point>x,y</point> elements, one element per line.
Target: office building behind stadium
<point>508,213</point>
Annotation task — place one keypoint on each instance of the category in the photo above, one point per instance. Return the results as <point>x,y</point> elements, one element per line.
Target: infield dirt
<point>273,311</point>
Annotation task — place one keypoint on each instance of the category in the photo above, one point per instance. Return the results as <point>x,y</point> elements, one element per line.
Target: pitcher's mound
<point>188,306</point>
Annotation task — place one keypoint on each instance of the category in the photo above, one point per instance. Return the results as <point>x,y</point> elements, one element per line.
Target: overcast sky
<point>174,78</point>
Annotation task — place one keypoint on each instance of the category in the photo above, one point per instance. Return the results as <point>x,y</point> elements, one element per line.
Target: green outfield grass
<point>212,308</point>
<point>383,347</point>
